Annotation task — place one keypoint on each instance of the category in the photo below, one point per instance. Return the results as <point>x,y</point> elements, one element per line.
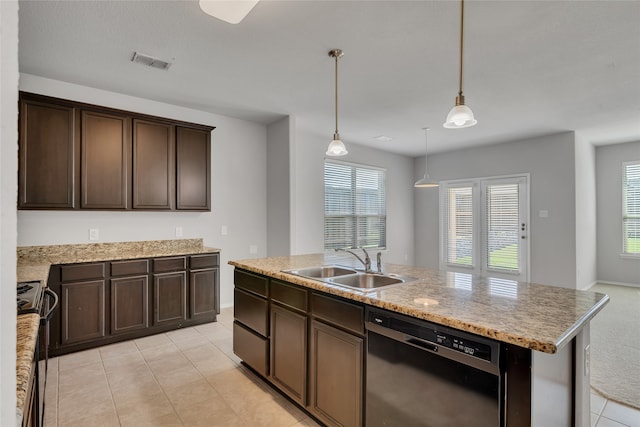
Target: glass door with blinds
<point>484,227</point>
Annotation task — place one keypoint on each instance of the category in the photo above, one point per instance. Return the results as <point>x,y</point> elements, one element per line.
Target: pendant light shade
<point>231,11</point>
<point>460,116</point>
<point>425,181</point>
<point>336,147</point>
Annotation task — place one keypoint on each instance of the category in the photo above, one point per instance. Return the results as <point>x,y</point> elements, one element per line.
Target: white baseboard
<point>607,282</point>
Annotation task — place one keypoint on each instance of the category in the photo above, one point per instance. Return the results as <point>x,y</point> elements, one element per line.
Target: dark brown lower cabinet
<point>335,376</point>
<point>129,303</point>
<point>252,348</point>
<point>82,311</point>
<point>170,298</point>
<point>203,301</point>
<point>106,302</point>
<point>289,352</point>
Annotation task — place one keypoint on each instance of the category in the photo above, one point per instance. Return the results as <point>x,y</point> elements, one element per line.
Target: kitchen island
<point>544,327</point>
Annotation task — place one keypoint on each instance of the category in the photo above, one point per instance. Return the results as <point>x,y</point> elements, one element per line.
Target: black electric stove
<point>29,297</point>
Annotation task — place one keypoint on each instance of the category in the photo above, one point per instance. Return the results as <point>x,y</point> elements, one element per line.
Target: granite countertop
<point>538,317</point>
<point>34,261</point>
<point>27,334</point>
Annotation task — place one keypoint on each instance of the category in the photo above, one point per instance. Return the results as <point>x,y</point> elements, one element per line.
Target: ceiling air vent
<point>141,58</point>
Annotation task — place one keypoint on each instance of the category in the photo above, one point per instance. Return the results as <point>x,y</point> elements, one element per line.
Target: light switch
<point>543,214</point>
<point>223,230</point>
<point>179,232</point>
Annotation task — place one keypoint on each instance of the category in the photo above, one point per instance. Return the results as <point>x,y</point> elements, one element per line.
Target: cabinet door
<point>153,165</point>
<point>335,376</point>
<point>82,311</point>
<point>289,352</point>
<point>203,298</point>
<point>129,304</point>
<point>193,169</point>
<point>106,148</point>
<point>47,155</point>
<point>170,298</point>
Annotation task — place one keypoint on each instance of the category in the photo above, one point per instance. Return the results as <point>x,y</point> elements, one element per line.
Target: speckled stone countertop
<point>34,261</point>
<point>538,317</point>
<point>27,334</point>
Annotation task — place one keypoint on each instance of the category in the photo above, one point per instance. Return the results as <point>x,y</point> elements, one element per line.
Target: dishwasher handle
<point>401,337</point>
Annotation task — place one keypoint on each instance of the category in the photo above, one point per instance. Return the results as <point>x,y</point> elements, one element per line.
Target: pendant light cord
<point>461,44</point>
<point>336,56</point>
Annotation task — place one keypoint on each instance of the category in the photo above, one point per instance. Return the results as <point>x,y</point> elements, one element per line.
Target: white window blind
<point>458,208</point>
<point>354,206</point>
<point>502,227</point>
<point>631,207</point>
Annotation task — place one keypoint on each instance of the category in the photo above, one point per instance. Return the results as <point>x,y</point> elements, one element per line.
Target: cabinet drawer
<point>204,261</point>
<point>340,313</point>
<point>82,272</point>
<point>169,264</point>
<point>289,295</point>
<point>251,311</point>
<point>251,282</point>
<point>251,348</point>
<point>130,267</point>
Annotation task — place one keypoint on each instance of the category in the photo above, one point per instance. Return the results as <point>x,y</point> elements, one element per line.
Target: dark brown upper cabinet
<point>80,156</point>
<point>193,169</point>
<point>153,165</point>
<point>48,155</point>
<point>106,161</point>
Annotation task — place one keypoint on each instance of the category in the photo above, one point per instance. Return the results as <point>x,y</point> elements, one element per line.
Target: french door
<point>484,227</point>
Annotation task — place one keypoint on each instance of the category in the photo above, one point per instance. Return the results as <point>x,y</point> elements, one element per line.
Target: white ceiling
<point>531,67</point>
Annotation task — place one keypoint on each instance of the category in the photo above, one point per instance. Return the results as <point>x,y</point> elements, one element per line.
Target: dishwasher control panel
<point>432,333</point>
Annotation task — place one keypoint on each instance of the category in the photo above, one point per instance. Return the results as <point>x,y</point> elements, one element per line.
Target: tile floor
<point>188,377</point>
<point>191,377</point>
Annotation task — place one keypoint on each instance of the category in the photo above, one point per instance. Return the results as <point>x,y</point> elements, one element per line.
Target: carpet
<point>615,345</point>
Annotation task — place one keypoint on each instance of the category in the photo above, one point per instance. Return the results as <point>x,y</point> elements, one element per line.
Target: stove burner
<point>23,287</point>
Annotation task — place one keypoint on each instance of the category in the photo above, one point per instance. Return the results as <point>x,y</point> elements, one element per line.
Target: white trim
<point>607,282</point>
<point>630,256</point>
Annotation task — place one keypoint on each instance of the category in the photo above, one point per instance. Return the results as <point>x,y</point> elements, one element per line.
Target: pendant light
<point>336,147</point>
<point>460,116</point>
<point>425,182</point>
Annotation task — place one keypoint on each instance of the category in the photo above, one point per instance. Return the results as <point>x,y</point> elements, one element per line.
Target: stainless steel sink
<point>351,278</point>
<point>368,280</point>
<point>323,272</point>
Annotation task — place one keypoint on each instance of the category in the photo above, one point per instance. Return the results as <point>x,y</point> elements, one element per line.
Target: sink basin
<point>324,272</point>
<point>367,280</point>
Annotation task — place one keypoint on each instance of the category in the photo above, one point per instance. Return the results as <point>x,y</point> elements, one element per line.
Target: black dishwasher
<point>423,374</point>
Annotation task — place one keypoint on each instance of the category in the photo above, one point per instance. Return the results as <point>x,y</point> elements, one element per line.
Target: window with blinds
<point>502,227</point>
<point>631,208</point>
<point>355,212</point>
<point>459,225</point>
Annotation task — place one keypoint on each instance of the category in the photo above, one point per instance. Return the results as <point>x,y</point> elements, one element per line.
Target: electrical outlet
<point>224,230</point>
<point>179,232</point>
<point>94,234</point>
<point>253,249</point>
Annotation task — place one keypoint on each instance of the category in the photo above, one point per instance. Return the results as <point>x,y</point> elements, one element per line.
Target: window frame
<point>624,215</point>
<point>354,214</point>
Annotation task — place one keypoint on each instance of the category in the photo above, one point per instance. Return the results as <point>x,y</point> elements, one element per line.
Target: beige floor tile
<point>118,350</point>
<point>308,422</point>
<point>136,391</point>
<point>131,360</point>
<point>73,408</point>
<point>622,414</point>
<point>106,419</point>
<point>164,351</point>
<point>86,375</point>
<point>155,405</point>
<point>203,352</point>
<point>606,422</point>
<point>597,403</point>
<point>152,341</point>
<point>183,334</point>
<point>168,362</point>
<point>191,393</point>
<point>211,367</point>
<point>269,413</point>
<point>215,330</point>
<point>226,345</point>
<point>177,377</point>
<point>169,420</point>
<point>127,376</point>
<point>210,414</point>
<point>192,342</point>
<point>76,360</point>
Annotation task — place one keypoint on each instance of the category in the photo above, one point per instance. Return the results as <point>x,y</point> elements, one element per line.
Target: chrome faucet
<point>366,262</point>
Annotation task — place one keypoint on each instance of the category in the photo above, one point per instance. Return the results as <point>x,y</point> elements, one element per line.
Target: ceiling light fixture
<point>336,147</point>
<point>231,11</point>
<point>425,182</point>
<point>460,116</point>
